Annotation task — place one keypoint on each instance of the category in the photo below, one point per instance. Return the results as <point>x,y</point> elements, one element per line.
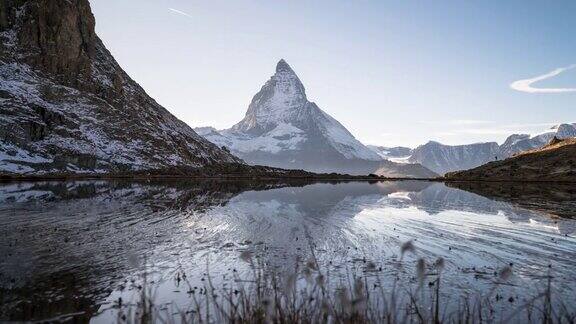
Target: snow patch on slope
<point>16,160</point>
<point>284,136</point>
<point>81,125</point>
<point>345,143</point>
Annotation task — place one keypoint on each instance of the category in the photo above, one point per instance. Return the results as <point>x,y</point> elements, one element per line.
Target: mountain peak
<point>280,119</point>
<point>282,66</point>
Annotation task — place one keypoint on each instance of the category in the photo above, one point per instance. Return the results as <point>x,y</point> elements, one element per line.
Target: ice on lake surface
<point>72,249</point>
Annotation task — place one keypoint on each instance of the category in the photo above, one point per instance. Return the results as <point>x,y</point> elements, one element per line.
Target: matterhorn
<point>282,128</point>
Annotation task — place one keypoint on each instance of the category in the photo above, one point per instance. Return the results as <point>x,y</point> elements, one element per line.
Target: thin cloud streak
<point>502,129</point>
<point>180,12</point>
<point>525,85</point>
<point>457,122</point>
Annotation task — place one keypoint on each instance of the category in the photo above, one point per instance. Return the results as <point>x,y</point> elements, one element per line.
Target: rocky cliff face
<point>282,128</point>
<point>442,158</point>
<point>67,106</point>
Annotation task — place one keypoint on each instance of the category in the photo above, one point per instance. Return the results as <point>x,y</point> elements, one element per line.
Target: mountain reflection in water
<point>68,248</point>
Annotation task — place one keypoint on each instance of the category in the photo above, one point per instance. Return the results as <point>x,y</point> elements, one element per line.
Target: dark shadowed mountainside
<point>66,106</point>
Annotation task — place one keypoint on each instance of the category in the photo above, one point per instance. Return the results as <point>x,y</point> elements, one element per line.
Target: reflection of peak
<point>92,224</point>
<point>438,197</point>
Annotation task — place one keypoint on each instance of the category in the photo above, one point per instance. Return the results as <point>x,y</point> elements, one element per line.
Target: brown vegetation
<point>312,294</point>
<point>553,162</point>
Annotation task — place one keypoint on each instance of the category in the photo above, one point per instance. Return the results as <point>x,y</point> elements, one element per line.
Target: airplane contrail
<point>180,12</point>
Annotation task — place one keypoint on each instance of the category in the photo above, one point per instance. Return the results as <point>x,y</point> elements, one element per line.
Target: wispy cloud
<point>526,84</point>
<point>507,129</point>
<point>456,122</point>
<point>180,12</point>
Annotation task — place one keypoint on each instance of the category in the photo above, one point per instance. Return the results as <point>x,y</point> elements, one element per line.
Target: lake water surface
<point>70,250</point>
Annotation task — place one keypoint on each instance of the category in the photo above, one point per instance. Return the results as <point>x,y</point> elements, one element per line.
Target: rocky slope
<point>556,161</point>
<point>523,142</point>
<point>447,158</point>
<point>283,129</point>
<point>66,106</point>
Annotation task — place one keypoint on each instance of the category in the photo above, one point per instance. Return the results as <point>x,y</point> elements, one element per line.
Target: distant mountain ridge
<point>555,161</point>
<point>442,158</point>
<point>282,128</point>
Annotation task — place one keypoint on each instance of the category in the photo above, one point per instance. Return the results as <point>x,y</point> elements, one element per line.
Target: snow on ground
<point>84,129</point>
<point>401,160</point>
<point>284,136</point>
<point>13,157</point>
<point>287,97</point>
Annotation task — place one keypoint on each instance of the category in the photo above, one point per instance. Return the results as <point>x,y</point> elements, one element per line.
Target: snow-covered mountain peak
<point>282,99</point>
<point>515,138</point>
<point>432,143</point>
<point>566,130</point>
<point>283,128</point>
<point>282,66</point>
<point>446,158</point>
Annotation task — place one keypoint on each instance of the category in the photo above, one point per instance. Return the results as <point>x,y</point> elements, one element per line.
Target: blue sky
<point>393,72</point>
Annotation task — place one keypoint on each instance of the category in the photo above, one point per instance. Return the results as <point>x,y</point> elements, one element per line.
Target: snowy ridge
<point>284,136</point>
<point>523,142</point>
<point>345,142</point>
<point>447,158</point>
<point>444,158</point>
<point>79,126</point>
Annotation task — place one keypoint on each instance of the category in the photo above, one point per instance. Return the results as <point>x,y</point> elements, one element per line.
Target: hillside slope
<point>66,106</point>
<point>555,161</point>
<point>443,158</point>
